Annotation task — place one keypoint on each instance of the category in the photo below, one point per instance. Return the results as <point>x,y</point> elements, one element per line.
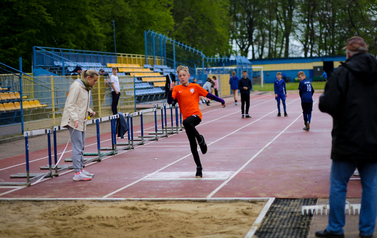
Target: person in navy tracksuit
<point>280,93</point>
<point>306,93</point>
<point>245,85</point>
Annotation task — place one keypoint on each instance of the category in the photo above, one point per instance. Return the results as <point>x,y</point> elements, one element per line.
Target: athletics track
<point>261,157</point>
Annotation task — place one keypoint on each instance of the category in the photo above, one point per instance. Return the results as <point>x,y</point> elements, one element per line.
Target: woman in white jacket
<point>76,110</point>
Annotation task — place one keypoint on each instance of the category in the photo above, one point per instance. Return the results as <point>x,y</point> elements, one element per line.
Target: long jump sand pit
<point>127,218</point>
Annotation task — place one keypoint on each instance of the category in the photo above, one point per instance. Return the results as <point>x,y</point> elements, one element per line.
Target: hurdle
<point>178,126</point>
<point>30,177</point>
<point>53,170</point>
<point>98,155</point>
<point>129,144</point>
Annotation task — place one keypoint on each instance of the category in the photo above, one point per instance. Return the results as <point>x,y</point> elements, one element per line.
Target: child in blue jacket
<point>306,93</point>
<point>233,81</point>
<point>280,93</point>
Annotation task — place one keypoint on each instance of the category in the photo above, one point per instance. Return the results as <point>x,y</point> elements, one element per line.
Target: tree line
<point>259,28</point>
<point>272,28</point>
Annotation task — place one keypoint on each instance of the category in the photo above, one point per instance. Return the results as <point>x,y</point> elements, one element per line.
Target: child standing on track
<point>306,93</point>
<point>233,81</point>
<point>280,93</point>
<point>245,85</point>
<point>187,95</point>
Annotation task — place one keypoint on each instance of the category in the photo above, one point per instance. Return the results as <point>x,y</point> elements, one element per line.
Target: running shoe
<point>248,116</point>
<point>81,177</point>
<point>243,116</point>
<point>278,115</point>
<point>285,114</point>
<point>199,173</point>
<point>307,125</point>
<point>87,173</point>
<point>203,145</point>
<point>235,103</point>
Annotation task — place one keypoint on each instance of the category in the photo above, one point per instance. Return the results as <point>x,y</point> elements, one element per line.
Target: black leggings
<point>189,123</point>
<point>245,98</point>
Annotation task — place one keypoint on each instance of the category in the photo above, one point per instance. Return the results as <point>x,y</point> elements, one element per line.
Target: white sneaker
<point>81,177</point>
<point>356,173</point>
<point>87,173</point>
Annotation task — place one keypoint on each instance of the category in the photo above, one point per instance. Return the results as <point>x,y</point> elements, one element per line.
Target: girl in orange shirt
<point>187,95</point>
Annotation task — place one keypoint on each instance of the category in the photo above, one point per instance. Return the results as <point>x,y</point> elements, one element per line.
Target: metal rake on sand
<point>320,209</point>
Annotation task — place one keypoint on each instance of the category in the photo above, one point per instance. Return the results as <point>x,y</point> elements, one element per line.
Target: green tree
<point>203,25</point>
<point>23,23</point>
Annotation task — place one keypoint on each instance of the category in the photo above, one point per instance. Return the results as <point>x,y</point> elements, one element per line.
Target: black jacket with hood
<point>350,97</point>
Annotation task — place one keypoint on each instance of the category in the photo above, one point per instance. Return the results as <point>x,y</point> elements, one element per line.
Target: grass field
<point>290,86</point>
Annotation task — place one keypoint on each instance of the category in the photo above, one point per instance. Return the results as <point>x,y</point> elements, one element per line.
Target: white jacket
<point>76,106</point>
<point>207,86</point>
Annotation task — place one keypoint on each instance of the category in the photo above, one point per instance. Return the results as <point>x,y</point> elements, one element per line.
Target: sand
<point>127,219</point>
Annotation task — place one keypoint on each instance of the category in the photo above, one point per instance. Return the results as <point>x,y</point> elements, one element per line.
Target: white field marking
<point>259,219</point>
<point>9,186</point>
<point>212,175</point>
<point>252,158</point>
<point>31,161</point>
<point>166,146</point>
<point>151,174</point>
<point>11,191</point>
<point>230,199</point>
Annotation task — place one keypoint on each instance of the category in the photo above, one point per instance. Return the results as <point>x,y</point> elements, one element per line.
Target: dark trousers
<point>307,108</point>
<point>114,104</point>
<point>193,135</point>
<point>245,99</point>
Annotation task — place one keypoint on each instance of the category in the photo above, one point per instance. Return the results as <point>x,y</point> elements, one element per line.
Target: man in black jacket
<point>245,85</point>
<point>350,97</point>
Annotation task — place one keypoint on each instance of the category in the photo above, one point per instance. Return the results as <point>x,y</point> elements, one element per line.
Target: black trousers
<point>114,104</point>
<point>193,136</point>
<point>245,99</point>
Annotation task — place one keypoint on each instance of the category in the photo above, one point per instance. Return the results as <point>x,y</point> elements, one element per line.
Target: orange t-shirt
<point>188,99</point>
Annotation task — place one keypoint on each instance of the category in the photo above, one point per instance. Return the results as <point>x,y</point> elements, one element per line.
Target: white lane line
<point>259,219</point>
<point>252,158</point>
<point>95,144</point>
<point>149,175</point>
<point>11,191</point>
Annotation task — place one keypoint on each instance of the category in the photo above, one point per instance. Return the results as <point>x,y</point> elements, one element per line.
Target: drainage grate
<point>284,219</point>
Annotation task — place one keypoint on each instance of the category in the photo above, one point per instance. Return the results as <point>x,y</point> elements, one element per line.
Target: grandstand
<point>62,62</point>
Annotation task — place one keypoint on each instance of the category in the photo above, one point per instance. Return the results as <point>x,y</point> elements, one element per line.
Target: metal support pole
<point>98,140</point>
<point>49,150</point>
<point>132,129</point>
<point>141,126</point>
<point>146,47</point>
<point>115,43</point>
<point>176,118</point>
<point>162,118</point>
<point>174,55</point>
<point>21,94</point>
<point>53,100</point>
<point>155,120</point>
<point>154,50</point>
<point>27,159</point>
<point>55,152</point>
